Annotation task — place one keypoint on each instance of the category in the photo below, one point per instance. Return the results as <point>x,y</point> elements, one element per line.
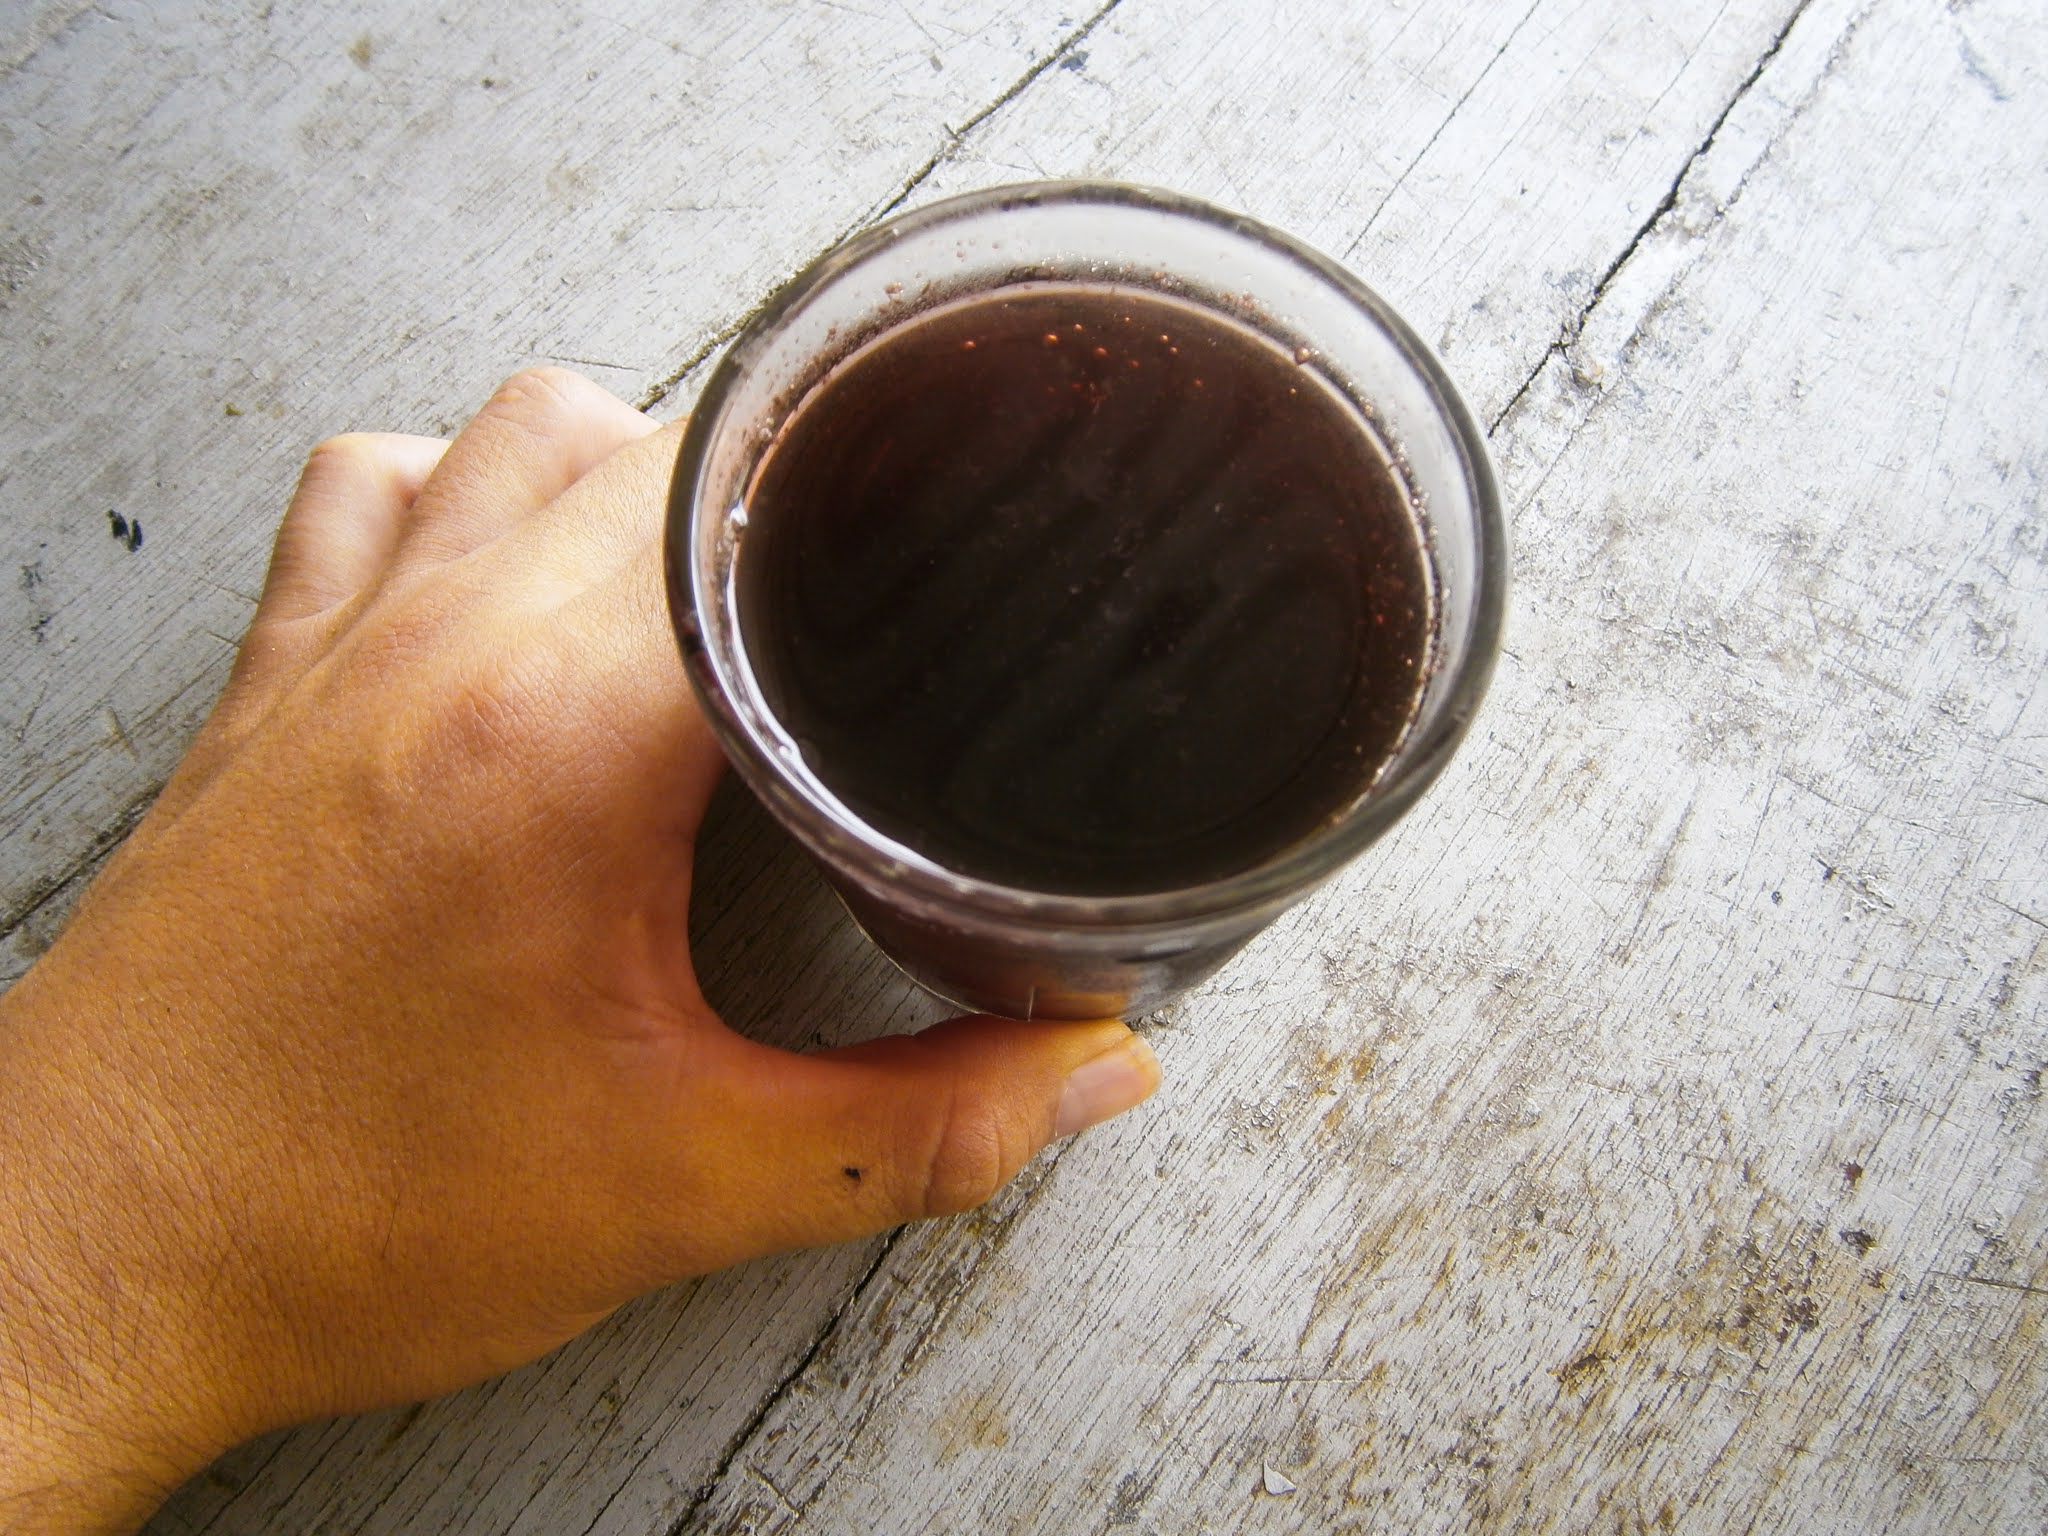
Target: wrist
<point>100,1392</point>
<point>89,1441</point>
<point>61,1471</point>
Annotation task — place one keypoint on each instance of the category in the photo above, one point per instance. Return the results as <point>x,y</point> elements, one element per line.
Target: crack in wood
<point>746,1432</point>
<point>668,386</point>
<point>955,137</point>
<point>82,868</point>
<point>1575,327</point>
<point>1023,1192</point>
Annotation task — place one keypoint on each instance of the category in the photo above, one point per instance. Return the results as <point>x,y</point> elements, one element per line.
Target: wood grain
<point>1647,1136</point>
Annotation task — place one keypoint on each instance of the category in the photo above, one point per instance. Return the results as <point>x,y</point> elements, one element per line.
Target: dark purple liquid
<point>1084,590</point>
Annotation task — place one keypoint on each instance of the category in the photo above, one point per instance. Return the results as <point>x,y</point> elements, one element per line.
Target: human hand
<point>374,1063</point>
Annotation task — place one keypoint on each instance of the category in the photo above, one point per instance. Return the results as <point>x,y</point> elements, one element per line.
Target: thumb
<point>856,1140</point>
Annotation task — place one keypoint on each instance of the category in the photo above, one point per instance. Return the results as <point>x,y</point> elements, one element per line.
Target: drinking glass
<point>1049,954</point>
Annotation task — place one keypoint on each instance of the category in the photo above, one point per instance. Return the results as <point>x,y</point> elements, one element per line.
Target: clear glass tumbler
<point>1046,954</point>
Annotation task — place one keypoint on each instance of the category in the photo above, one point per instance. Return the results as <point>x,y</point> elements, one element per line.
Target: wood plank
<point>1646,1136</point>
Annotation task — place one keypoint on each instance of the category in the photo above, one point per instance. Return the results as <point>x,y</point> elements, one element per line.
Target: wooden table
<point>1647,1137</point>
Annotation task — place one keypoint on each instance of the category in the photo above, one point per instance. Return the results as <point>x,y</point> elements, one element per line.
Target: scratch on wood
<point>590,362</point>
<point>1894,997</point>
<point>2015,911</point>
<point>781,1498</point>
<point>1977,69</point>
<point>2003,1285</point>
<point>28,720</point>
<point>1660,877</point>
<point>1448,118</point>
<point>50,29</point>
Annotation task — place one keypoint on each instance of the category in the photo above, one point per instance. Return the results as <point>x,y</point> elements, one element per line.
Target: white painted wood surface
<point>1647,1137</point>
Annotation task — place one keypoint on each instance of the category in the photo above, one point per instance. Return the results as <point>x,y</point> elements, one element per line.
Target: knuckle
<point>968,1161</point>
<point>343,451</point>
<point>543,389</point>
<point>351,462</point>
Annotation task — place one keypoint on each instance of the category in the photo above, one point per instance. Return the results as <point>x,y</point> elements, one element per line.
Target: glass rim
<point>871,857</point>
